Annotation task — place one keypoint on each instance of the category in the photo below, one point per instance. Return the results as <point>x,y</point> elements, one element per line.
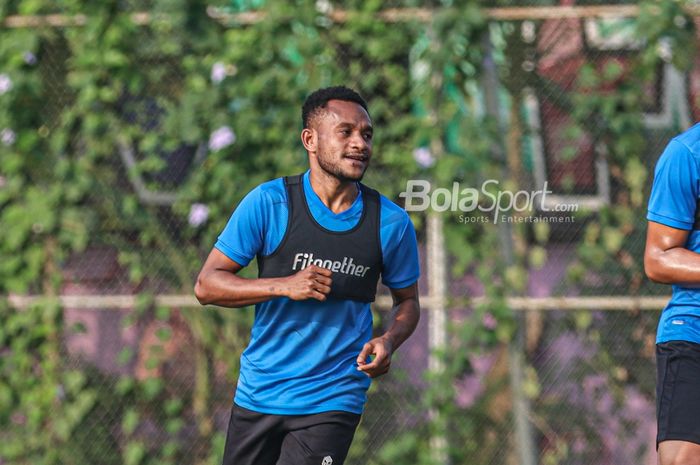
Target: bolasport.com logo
<point>495,204</point>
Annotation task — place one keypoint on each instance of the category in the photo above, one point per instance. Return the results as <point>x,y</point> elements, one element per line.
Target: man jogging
<point>322,240</point>
<point>672,257</point>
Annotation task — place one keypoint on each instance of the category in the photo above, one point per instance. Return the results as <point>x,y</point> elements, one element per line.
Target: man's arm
<point>666,260</point>
<point>219,284</point>
<point>406,311</point>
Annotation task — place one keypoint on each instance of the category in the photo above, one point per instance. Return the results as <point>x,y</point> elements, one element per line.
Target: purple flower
<point>489,321</point>
<point>222,137</point>
<point>218,72</point>
<point>423,157</point>
<point>30,58</point>
<point>198,214</point>
<point>5,83</point>
<point>7,136</point>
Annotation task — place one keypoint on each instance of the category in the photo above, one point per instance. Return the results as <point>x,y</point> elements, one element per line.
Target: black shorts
<point>261,439</point>
<point>678,391</point>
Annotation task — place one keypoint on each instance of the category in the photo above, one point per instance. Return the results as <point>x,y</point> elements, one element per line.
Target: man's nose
<point>359,142</point>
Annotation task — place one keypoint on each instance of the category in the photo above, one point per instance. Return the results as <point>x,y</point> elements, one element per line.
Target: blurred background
<point>130,130</point>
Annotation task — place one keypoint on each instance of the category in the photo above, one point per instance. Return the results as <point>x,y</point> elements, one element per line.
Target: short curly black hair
<point>319,99</point>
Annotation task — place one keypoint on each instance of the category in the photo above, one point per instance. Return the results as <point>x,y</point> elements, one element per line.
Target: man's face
<point>344,145</point>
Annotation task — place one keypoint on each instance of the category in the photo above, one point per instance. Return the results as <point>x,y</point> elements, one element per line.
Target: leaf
<point>174,426</point>
<point>78,328</point>
<point>173,407</point>
<point>130,421</point>
<point>74,381</point>
<point>134,453</point>
<point>124,386</point>
<point>583,319</point>
<point>163,313</point>
<point>612,70</point>
<point>537,257</point>
<point>516,278</point>
<point>613,239</point>
<point>125,355</point>
<point>170,448</point>
<point>531,384</point>
<point>164,334</point>
<point>541,231</point>
<point>151,388</point>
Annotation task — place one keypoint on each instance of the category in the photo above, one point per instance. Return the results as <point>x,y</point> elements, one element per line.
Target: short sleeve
<point>400,252</point>
<point>243,236</point>
<point>674,195</point>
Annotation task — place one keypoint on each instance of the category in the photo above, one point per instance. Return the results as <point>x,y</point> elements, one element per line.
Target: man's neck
<point>335,194</point>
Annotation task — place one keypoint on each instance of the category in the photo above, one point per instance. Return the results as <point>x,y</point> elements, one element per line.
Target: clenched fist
<point>312,282</point>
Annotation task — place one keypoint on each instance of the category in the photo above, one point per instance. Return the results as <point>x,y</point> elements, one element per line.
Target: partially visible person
<point>672,256</point>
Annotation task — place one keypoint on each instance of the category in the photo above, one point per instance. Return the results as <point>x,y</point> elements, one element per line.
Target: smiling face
<point>339,140</point>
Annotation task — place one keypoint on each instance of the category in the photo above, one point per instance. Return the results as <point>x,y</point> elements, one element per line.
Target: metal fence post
<point>521,408</point>
<point>437,329</point>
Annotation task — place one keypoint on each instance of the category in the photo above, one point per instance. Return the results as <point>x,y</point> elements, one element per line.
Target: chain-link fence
<point>130,131</point>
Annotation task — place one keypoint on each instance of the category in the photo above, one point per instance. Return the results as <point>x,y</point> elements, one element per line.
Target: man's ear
<point>309,137</point>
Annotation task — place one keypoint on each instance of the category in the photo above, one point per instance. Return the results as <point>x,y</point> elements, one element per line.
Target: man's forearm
<point>674,266</point>
<point>406,316</point>
<point>226,289</point>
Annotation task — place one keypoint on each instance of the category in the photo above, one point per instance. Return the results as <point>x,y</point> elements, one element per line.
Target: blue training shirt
<point>673,201</point>
<point>302,354</point>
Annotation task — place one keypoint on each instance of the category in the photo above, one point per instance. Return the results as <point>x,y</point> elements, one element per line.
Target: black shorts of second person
<point>260,439</point>
<point>678,391</point>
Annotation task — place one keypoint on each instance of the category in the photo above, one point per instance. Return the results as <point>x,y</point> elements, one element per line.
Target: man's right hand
<point>312,282</point>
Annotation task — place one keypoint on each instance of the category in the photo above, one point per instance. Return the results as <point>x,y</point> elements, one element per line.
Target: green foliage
<point>447,62</point>
<point>98,114</point>
<point>614,120</point>
<point>95,118</point>
<point>608,104</point>
<point>612,244</point>
<point>43,403</point>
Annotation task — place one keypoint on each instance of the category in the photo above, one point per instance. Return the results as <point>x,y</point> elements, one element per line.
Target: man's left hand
<point>381,348</point>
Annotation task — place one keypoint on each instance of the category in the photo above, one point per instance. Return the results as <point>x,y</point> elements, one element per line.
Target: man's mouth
<point>357,156</point>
